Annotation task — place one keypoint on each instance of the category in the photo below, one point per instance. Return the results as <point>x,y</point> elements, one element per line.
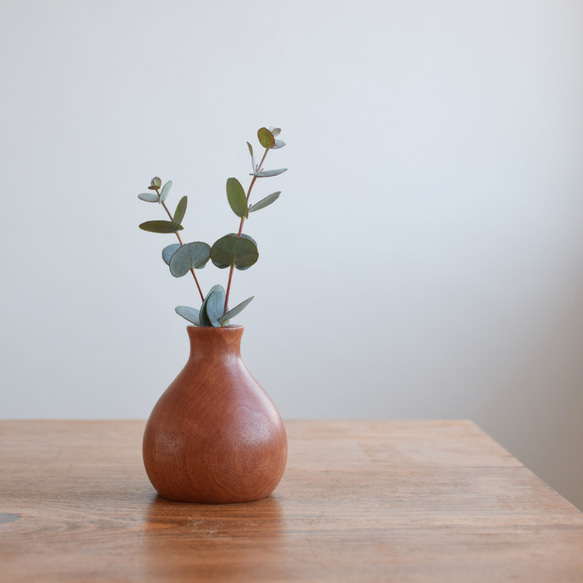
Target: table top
<point>360,501</point>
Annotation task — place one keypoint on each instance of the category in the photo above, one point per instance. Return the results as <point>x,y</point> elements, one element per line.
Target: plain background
<point>425,259</point>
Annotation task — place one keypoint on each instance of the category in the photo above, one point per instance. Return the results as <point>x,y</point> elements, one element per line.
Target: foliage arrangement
<point>232,251</point>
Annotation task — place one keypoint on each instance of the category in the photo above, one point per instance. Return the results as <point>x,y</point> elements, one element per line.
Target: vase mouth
<point>213,329</point>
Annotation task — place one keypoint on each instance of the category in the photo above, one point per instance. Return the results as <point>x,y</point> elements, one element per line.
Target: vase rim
<point>234,327</point>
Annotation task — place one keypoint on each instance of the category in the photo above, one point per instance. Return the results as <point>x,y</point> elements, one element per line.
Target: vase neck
<point>215,343</point>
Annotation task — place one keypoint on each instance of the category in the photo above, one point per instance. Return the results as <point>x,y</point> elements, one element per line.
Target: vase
<point>215,436</point>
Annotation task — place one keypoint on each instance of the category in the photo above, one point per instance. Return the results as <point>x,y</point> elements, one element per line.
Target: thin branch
<point>182,245</point>
<point>241,230</point>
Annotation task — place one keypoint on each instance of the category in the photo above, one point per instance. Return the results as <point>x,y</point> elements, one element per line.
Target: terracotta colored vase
<point>215,436</point>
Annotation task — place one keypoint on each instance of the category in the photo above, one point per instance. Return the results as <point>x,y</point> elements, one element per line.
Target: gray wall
<point>424,260</point>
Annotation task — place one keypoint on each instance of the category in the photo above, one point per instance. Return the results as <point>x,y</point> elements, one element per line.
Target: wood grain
<point>359,502</point>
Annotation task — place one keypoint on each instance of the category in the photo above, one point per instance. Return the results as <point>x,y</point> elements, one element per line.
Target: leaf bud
<point>155,183</point>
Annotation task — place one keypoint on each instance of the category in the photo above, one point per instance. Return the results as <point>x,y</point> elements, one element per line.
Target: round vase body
<point>215,436</point>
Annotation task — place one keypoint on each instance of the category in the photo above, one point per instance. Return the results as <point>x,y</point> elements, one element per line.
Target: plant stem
<point>182,245</point>
<point>241,230</point>
<point>226,308</point>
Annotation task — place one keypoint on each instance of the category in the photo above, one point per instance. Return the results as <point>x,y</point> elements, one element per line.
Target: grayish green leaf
<point>278,144</point>
<point>167,252</point>
<point>161,226</point>
<point>180,210</point>
<point>235,311</point>
<point>275,131</point>
<point>268,173</point>
<point>252,156</point>
<point>236,197</point>
<point>149,197</point>
<point>165,190</point>
<point>190,314</point>
<point>264,202</point>
<point>215,306</point>
<point>212,307</point>
<point>155,183</point>
<point>188,256</point>
<point>266,138</point>
<point>232,250</point>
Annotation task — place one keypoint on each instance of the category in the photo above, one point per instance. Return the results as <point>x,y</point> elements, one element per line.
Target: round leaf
<point>236,197</point>
<point>248,237</point>
<point>167,252</point>
<point>155,183</point>
<point>266,138</point>
<point>232,250</point>
<point>188,256</point>
<point>161,226</point>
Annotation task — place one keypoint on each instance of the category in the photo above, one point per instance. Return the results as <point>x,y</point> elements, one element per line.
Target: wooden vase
<point>215,436</point>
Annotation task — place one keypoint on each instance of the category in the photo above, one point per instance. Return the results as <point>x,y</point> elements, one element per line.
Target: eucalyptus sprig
<point>233,251</point>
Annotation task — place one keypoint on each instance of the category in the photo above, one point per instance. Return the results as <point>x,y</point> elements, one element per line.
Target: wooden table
<point>360,502</point>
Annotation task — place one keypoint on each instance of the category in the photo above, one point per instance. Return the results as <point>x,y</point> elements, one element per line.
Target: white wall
<point>426,256</point>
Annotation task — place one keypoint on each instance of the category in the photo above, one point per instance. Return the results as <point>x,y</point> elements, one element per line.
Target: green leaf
<point>266,138</point>
<point>212,307</point>
<point>232,250</point>
<point>188,256</point>
<point>190,314</point>
<point>278,144</point>
<point>155,183</point>
<point>161,226</point>
<point>149,197</point>
<point>235,311</point>
<point>167,252</point>
<point>202,317</point>
<point>165,190</point>
<point>264,202</point>
<point>275,131</point>
<point>268,173</point>
<point>236,197</point>
<point>180,210</point>
<point>248,237</point>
